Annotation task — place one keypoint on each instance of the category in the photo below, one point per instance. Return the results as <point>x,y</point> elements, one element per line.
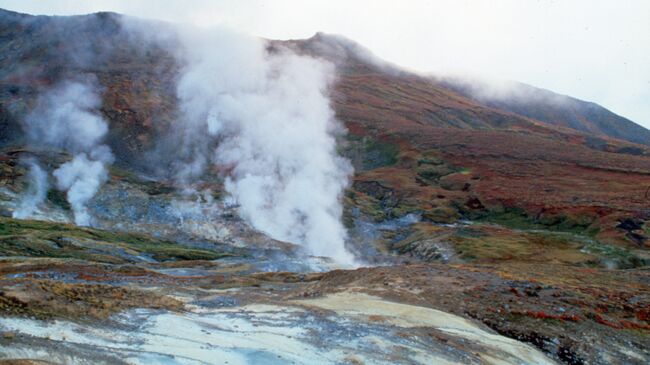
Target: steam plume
<point>66,117</point>
<point>36,191</point>
<point>81,178</point>
<point>265,119</point>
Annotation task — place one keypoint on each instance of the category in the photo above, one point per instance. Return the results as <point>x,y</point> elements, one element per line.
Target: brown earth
<point>417,147</point>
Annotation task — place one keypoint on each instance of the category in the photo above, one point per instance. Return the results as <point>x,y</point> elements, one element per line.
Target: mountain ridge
<point>553,108</point>
<point>394,118</point>
<point>523,100</point>
<point>348,55</point>
<point>527,234</point>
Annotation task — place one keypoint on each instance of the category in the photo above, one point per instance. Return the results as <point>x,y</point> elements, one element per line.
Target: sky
<point>593,50</point>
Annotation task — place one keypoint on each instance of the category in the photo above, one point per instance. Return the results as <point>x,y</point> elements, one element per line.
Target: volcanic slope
<point>532,225</point>
<point>429,147</point>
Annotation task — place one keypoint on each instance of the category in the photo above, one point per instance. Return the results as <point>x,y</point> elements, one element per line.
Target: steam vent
<point>206,183</point>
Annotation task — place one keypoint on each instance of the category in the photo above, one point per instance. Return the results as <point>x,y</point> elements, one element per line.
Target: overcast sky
<point>593,50</point>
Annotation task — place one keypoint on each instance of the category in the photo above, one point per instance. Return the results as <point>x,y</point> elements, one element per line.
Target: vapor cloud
<point>265,121</point>
<point>261,118</point>
<point>65,117</point>
<point>81,178</point>
<point>35,193</point>
<point>556,45</point>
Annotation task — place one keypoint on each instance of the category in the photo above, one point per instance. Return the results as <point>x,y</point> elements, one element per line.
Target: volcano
<point>486,227</point>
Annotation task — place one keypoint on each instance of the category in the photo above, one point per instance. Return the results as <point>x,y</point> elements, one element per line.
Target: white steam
<point>35,193</point>
<point>81,178</point>
<point>66,117</point>
<point>265,120</point>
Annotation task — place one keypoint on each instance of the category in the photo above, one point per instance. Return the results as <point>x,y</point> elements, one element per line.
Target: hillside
<point>408,113</point>
<point>466,96</point>
<point>502,230</point>
<point>553,174</point>
<point>551,108</point>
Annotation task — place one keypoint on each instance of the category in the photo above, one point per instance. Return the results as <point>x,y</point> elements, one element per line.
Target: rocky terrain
<point>487,231</point>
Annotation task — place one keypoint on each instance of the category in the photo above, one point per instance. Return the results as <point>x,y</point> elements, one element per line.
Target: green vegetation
<point>431,173</point>
<point>430,158</point>
<point>47,239</point>
<point>378,210</point>
<point>378,154</point>
<point>58,198</point>
<point>484,243</point>
<point>370,153</point>
<point>491,248</point>
<point>370,207</point>
<point>442,214</point>
<point>431,161</point>
<point>489,243</point>
<point>615,256</point>
<point>516,218</point>
<point>431,168</point>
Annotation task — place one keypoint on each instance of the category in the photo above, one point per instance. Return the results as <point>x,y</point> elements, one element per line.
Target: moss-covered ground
<point>49,239</point>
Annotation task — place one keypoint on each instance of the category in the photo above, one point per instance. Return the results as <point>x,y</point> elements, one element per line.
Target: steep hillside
<point>551,108</point>
<point>454,157</point>
<point>490,232</point>
<point>39,51</point>
<point>397,122</point>
<point>461,103</point>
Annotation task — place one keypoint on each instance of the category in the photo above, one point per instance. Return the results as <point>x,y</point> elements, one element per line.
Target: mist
<point>257,116</point>
<point>66,117</point>
<point>264,121</point>
<point>81,178</point>
<point>36,191</point>
<point>554,45</point>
